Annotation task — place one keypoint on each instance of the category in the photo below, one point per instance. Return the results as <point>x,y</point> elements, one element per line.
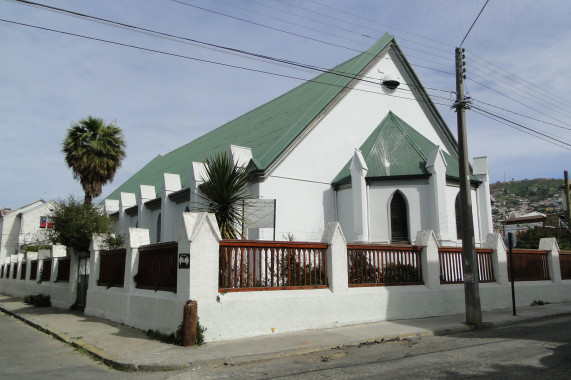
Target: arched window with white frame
<point>399,218</point>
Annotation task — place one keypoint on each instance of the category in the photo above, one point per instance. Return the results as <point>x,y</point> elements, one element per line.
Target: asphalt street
<point>540,350</point>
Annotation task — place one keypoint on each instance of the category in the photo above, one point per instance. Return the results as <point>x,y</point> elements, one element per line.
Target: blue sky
<point>517,58</point>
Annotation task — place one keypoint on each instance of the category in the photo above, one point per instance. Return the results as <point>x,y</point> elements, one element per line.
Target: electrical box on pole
<point>469,259</point>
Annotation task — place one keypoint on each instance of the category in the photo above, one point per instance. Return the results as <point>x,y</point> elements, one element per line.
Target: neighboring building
<point>517,222</point>
<point>361,144</point>
<point>27,225</point>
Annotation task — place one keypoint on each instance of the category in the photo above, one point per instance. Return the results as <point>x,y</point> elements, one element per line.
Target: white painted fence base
<point>253,313</point>
<point>62,294</point>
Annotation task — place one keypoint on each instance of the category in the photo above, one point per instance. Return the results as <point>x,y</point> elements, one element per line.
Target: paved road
<point>26,353</point>
<point>530,351</point>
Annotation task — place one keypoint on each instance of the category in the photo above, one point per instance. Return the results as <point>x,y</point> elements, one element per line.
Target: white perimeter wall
<point>252,313</point>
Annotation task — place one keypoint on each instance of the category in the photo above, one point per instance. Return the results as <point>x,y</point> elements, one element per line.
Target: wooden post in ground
<point>189,323</point>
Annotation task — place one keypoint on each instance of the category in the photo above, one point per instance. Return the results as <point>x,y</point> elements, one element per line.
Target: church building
<point>362,144</point>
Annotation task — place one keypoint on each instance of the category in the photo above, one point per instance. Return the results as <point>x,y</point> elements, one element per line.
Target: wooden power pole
<point>568,202</point>
<point>469,259</point>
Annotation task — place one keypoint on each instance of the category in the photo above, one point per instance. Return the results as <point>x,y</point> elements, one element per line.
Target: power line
<point>339,20</point>
<point>379,23</point>
<point>203,44</point>
<point>522,128</point>
<point>530,85</point>
<point>291,22</point>
<point>517,101</point>
<point>213,62</point>
<point>474,23</point>
<point>563,139</point>
<point>522,115</point>
<point>263,25</point>
<point>520,92</point>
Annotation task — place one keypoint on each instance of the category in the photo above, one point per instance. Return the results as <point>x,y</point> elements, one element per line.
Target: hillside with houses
<point>518,198</point>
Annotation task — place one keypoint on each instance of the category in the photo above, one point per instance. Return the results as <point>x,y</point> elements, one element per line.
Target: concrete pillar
<point>169,213</point>
<point>126,200</point>
<point>241,155</point>
<point>198,243</point>
<point>136,237</point>
<point>430,258</point>
<point>436,166</point>
<point>97,245</point>
<point>499,257</point>
<point>197,176</point>
<point>111,206</point>
<point>31,256</point>
<point>553,264</point>
<point>483,203</point>
<point>336,258</point>
<point>43,255</point>
<point>359,190</point>
<point>146,193</point>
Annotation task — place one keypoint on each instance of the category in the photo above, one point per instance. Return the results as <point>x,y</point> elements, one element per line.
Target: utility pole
<point>568,201</point>
<point>469,259</point>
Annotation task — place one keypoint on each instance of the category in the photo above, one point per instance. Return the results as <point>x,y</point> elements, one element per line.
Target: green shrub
<point>39,300</point>
<point>400,273</point>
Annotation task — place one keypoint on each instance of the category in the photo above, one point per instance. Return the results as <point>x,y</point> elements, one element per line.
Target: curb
<point>92,351</point>
<point>256,358</point>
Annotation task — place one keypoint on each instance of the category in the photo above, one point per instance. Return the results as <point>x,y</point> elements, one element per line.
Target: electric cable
<point>210,61</point>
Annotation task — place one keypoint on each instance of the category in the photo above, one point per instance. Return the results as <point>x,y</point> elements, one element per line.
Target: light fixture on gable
<point>390,81</point>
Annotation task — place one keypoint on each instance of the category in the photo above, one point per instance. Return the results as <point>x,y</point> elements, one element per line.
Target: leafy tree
<point>530,238</point>
<point>93,151</point>
<point>75,222</point>
<point>223,192</point>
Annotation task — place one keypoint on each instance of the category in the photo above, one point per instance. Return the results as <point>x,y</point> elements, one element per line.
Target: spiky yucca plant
<point>223,192</point>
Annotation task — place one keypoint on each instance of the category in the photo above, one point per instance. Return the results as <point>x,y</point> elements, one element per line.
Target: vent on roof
<point>390,81</point>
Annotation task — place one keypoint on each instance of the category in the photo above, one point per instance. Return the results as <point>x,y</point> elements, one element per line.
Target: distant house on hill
<point>361,144</point>
<point>23,226</point>
<point>522,222</point>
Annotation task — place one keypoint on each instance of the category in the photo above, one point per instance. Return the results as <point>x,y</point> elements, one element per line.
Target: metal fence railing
<point>112,268</point>
<point>451,271</point>
<point>529,265</point>
<point>377,265</point>
<point>247,265</point>
<point>565,264</point>
<point>63,268</point>
<point>157,267</point>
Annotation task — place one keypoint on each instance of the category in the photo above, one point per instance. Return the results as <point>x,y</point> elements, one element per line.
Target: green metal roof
<point>396,150</point>
<point>268,130</point>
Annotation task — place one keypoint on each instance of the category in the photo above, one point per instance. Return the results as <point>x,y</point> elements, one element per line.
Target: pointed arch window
<point>458,210</point>
<point>159,229</point>
<point>187,209</point>
<point>399,219</point>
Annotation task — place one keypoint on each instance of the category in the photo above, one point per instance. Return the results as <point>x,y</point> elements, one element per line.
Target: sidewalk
<point>129,349</point>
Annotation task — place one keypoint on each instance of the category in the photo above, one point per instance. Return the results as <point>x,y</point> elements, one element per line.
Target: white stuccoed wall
<point>63,294</point>
<point>251,313</point>
<point>301,181</point>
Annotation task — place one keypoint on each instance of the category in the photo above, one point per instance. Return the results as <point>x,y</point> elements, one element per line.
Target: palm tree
<point>223,192</point>
<point>93,151</point>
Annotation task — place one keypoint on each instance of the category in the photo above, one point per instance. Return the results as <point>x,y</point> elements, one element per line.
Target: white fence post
<point>499,257</point>
<point>198,240</point>
<point>429,258</point>
<point>94,261</point>
<point>336,260</point>
<point>136,237</point>
<point>553,265</point>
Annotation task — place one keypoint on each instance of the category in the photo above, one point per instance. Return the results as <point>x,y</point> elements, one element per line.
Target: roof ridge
<point>399,125</point>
